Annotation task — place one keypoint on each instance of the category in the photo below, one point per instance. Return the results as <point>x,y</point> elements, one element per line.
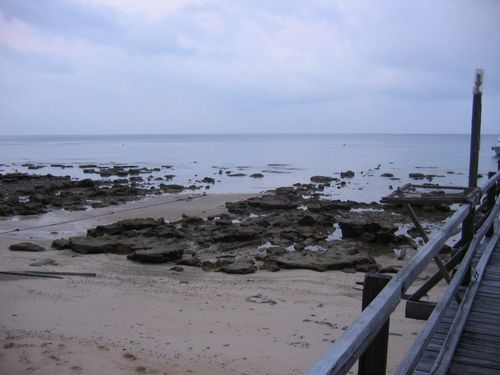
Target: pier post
<point>475,141</point>
<point>374,360</point>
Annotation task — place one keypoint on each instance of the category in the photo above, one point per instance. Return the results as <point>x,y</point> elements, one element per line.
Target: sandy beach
<point>134,318</point>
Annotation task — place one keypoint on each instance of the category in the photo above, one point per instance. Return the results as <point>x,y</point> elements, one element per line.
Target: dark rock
<point>416,176</point>
<point>257,175</point>
<point>387,175</point>
<point>236,174</point>
<point>275,251</point>
<point>192,261</point>
<point>270,202</point>
<point>234,234</point>
<point>61,244</point>
<point>91,245</point>
<point>270,265</point>
<point>368,226</point>
<point>367,267</point>
<point>240,267</point>
<point>191,220</point>
<point>329,260</point>
<point>125,227</point>
<point>172,188</point>
<point>347,174</point>
<point>86,183</point>
<point>156,255</point>
<point>26,246</point>
<point>322,179</point>
<point>85,166</point>
<point>208,180</point>
<point>177,269</point>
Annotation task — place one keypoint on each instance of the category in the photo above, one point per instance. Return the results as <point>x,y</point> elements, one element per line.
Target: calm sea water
<point>283,159</point>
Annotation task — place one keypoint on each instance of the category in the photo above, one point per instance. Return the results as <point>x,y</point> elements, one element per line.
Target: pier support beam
<point>374,359</point>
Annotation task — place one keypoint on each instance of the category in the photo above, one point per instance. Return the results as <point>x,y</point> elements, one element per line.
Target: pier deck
<point>467,337</point>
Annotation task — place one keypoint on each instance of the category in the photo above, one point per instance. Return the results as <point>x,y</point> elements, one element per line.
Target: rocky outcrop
<point>328,260</point>
<point>367,226</point>
<point>26,246</point>
<point>162,255</point>
<point>61,244</point>
<point>347,174</point>
<point>90,245</point>
<point>26,194</point>
<point>322,179</point>
<point>290,227</point>
<point>172,188</point>
<point>239,267</point>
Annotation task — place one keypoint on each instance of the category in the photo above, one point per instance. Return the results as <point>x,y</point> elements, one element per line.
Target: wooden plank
<point>481,330</point>
<point>425,364</point>
<point>484,318</point>
<point>481,336</point>
<point>411,360</point>
<point>487,347</point>
<point>461,369</point>
<point>446,355</point>
<point>475,341</point>
<point>490,283</point>
<point>490,289</point>
<point>491,326</point>
<point>480,362</point>
<point>481,357</point>
<point>473,350</point>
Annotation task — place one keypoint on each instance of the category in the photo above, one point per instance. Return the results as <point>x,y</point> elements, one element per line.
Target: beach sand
<point>147,319</point>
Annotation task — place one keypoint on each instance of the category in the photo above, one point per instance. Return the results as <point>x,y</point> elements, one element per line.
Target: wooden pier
<point>462,333</point>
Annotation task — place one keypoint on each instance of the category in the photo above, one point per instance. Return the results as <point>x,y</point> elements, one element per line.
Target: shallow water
<point>283,159</point>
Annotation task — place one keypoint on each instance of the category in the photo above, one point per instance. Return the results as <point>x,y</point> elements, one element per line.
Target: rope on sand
<point>188,198</point>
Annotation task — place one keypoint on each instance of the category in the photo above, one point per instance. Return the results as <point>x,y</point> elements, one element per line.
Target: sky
<point>261,66</point>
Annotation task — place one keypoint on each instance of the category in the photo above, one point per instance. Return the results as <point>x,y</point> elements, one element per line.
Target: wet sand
<point>133,318</point>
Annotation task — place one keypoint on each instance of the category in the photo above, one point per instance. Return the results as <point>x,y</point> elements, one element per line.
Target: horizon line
<point>215,134</point>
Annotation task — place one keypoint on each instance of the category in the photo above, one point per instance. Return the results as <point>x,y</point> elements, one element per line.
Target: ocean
<point>283,159</point>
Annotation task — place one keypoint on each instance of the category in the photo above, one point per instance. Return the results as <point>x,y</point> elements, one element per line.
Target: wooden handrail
<point>346,350</point>
<point>350,346</point>
<point>410,361</point>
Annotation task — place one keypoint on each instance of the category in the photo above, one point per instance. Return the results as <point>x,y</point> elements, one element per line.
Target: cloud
<point>34,61</point>
<point>264,65</point>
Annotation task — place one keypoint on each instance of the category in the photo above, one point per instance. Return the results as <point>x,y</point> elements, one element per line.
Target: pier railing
<point>366,328</point>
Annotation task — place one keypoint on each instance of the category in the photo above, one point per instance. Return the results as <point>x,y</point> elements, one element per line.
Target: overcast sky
<point>227,66</point>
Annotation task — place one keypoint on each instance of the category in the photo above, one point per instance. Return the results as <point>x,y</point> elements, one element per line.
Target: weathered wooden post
<point>374,359</point>
<point>475,141</point>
